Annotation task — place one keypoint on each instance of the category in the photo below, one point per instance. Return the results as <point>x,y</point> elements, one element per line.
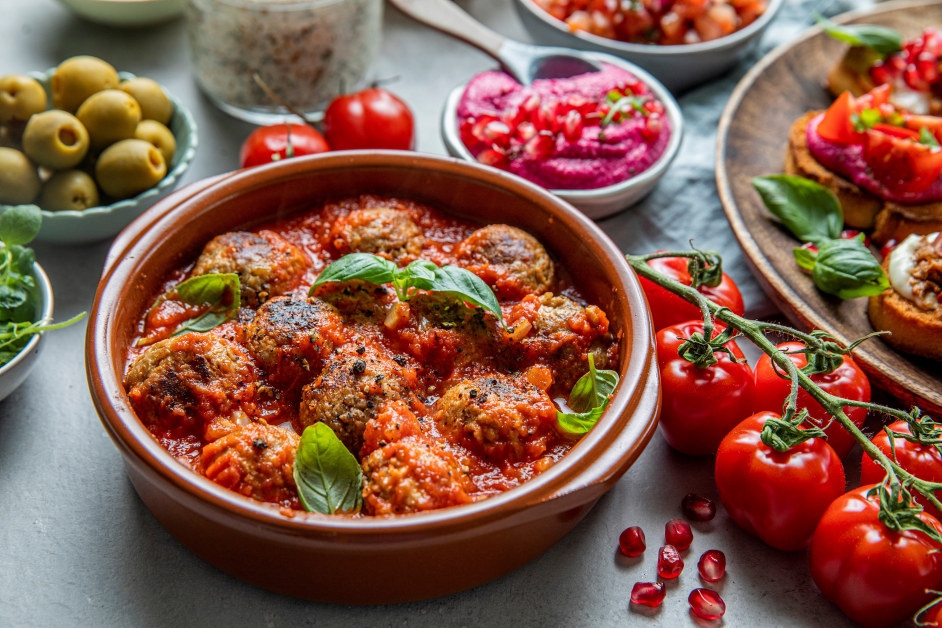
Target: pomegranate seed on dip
<point>579,133</point>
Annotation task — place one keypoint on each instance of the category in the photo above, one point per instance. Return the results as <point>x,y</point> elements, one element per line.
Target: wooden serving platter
<point>751,141</point>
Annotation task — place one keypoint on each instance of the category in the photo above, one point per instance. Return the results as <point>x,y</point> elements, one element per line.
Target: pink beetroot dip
<point>578,159</point>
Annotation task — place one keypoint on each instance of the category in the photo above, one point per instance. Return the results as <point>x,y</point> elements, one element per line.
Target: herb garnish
<point>221,292</point>
<point>588,398</point>
<point>327,475</point>
<point>880,39</point>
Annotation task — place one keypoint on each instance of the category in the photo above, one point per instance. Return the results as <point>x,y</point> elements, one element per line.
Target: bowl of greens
<point>26,302</point>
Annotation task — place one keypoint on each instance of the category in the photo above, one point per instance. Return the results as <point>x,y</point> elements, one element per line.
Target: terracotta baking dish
<point>369,560</point>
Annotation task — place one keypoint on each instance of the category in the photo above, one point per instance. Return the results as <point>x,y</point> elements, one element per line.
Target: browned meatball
<point>412,475</point>
<point>499,416</point>
<point>383,231</point>
<point>508,259</point>
<point>352,389</point>
<point>290,337</point>
<point>255,460</point>
<point>181,382</point>
<point>267,264</point>
<point>358,302</point>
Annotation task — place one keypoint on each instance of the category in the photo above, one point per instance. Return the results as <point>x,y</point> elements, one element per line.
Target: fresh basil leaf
<point>809,210</point>
<point>847,269</point>
<point>592,390</point>
<point>211,289</point>
<point>328,477</point>
<point>19,224</point>
<point>462,283</point>
<point>880,39</point>
<point>804,258</point>
<point>418,274</point>
<point>364,266</point>
<point>579,423</point>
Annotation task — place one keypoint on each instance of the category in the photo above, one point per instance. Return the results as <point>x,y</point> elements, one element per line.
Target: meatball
<point>359,303</point>
<point>412,475</point>
<point>290,337</point>
<point>394,422</point>
<point>267,264</point>
<point>509,259</point>
<point>384,231</point>
<point>351,390</point>
<point>255,460</point>
<point>500,416</point>
<point>180,383</point>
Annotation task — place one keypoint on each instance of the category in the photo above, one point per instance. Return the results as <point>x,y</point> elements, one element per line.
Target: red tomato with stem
<point>922,460</point>
<point>776,496</point>
<point>280,141</point>
<point>877,576</point>
<point>372,118</point>
<point>669,309</point>
<point>847,381</point>
<point>701,404</point>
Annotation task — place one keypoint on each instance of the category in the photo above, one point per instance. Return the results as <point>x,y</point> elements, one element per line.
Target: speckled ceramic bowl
<point>369,560</point>
<point>105,221</point>
<point>15,372</point>
<point>680,68</point>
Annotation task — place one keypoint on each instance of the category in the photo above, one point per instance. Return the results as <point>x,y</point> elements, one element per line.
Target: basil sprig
<point>588,398</point>
<point>420,274</point>
<point>843,267</point>
<point>880,39</point>
<point>328,476</point>
<point>221,292</point>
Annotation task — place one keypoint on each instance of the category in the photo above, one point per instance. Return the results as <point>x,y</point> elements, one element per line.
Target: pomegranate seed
<point>669,562</point>
<point>631,541</point>
<point>648,593</point>
<point>880,73</point>
<point>913,79</point>
<point>927,67</point>
<point>677,532</point>
<point>572,125</point>
<point>478,129</point>
<point>712,565</point>
<point>525,132</point>
<point>539,147</point>
<point>493,157</point>
<point>897,63</point>
<point>697,507</point>
<point>513,117</point>
<point>530,105</point>
<point>496,132</point>
<point>706,604</point>
<point>888,246</point>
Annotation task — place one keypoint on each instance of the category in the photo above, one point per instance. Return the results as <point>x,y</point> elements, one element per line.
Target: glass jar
<point>306,53</point>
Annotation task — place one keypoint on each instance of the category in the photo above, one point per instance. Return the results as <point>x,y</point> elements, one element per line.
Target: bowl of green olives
<point>127,13</point>
<point>91,146</point>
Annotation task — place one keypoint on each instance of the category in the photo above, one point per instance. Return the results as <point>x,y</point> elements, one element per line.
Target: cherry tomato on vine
<point>776,496</point>
<point>921,460</point>
<point>701,404</point>
<point>372,118</point>
<point>847,381</point>
<point>669,309</point>
<point>273,143</point>
<point>877,576</point>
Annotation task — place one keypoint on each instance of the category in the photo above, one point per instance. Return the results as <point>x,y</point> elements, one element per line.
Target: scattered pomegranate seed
<point>494,158</point>
<point>677,532</point>
<point>706,604</point>
<point>540,146</point>
<point>648,593</point>
<point>631,541</point>
<point>697,507</point>
<point>669,562</point>
<point>572,125</point>
<point>712,565</point>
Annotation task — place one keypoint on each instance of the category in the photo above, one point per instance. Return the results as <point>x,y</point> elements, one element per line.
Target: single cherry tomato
<point>669,309</point>
<point>847,381</point>
<point>701,404</point>
<point>280,141</point>
<point>372,118</point>
<point>922,460</point>
<point>776,496</point>
<point>877,576</point>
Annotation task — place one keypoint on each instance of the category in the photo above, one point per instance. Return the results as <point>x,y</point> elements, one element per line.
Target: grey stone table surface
<point>77,546</point>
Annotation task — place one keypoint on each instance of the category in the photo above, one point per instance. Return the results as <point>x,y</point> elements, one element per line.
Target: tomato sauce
<point>440,402</point>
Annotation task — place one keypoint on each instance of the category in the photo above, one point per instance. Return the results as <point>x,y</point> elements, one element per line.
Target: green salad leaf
<point>449,280</point>
<point>588,399</point>
<point>328,476</point>
<point>880,39</point>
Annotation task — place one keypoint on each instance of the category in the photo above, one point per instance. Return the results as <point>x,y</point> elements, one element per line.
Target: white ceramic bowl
<point>679,67</point>
<point>14,372</point>
<point>599,202</point>
<point>130,13</point>
<point>103,222</point>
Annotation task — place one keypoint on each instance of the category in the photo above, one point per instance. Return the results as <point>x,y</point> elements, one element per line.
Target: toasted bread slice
<point>888,220</point>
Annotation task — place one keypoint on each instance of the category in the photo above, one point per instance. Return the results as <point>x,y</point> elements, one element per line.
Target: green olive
<point>158,135</point>
<point>20,97</point>
<point>77,78</point>
<point>69,189</point>
<point>19,179</point>
<point>129,167</point>
<point>109,116</point>
<point>55,139</point>
<point>155,105</point>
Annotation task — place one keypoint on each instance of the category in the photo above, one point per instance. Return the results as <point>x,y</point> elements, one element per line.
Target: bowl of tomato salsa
<point>420,323</point>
